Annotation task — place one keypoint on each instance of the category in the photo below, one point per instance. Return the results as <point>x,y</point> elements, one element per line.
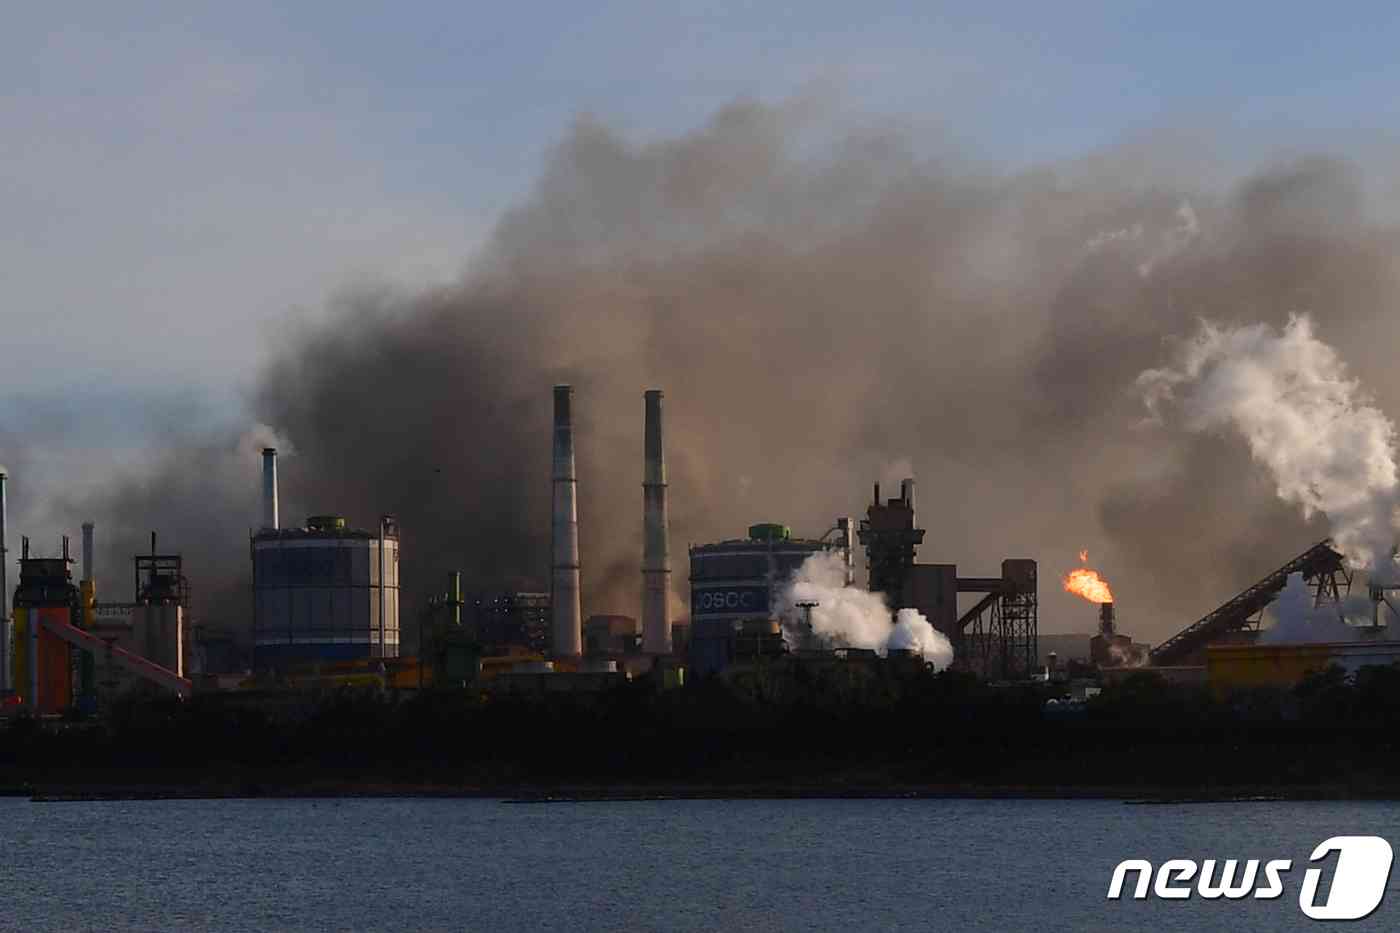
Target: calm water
<point>686,865</point>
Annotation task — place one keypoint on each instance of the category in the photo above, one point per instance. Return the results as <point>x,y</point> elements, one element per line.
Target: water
<point>848,865</point>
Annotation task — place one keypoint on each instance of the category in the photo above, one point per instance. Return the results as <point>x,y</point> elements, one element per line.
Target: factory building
<point>735,588</point>
<point>322,592</point>
<point>68,649</point>
<point>605,635</point>
<point>325,592</point>
<point>1240,666</point>
<point>500,620</point>
<point>154,628</point>
<point>44,667</point>
<point>996,636</point>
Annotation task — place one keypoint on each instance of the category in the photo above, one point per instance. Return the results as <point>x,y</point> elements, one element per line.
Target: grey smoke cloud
<point>817,306</point>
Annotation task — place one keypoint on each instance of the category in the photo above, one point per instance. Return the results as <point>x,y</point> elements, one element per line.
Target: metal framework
<point>1321,566</point>
<point>998,636</point>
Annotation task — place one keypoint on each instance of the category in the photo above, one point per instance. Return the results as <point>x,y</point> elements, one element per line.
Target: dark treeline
<point>801,733</point>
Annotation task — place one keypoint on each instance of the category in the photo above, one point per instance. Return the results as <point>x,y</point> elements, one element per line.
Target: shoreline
<point>535,794</point>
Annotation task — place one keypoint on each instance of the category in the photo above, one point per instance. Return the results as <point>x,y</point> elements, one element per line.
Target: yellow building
<point>1232,667</point>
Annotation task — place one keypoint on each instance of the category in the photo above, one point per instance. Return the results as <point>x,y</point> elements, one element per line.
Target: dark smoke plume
<point>822,308</point>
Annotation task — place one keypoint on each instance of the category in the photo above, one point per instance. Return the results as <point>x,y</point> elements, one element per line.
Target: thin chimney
<point>567,607</point>
<point>87,551</point>
<point>5,596</point>
<point>656,528</point>
<point>270,517</point>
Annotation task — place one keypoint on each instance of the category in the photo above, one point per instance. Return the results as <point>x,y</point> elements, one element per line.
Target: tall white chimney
<point>567,606</point>
<point>6,597</point>
<point>270,519</point>
<point>656,530</point>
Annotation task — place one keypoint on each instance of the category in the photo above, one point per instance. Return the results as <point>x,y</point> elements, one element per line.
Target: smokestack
<point>568,612</point>
<point>1106,624</point>
<point>906,493</point>
<point>87,551</point>
<point>656,531</point>
<point>270,518</point>
<point>33,628</point>
<point>5,597</point>
<point>848,544</point>
<point>456,590</point>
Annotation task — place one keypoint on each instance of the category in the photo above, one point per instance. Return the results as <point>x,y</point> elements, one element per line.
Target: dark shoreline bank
<point>534,794</point>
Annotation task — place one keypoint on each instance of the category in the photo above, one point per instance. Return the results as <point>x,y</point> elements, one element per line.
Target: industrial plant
<point>326,609</point>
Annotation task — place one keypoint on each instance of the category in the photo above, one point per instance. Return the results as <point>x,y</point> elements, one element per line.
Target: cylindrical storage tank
<point>317,593</point>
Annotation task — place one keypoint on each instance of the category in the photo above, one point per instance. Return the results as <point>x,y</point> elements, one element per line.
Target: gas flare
<point>1086,582</point>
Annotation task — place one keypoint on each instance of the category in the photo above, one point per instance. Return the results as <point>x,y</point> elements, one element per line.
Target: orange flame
<point>1084,557</point>
<point>1088,584</point>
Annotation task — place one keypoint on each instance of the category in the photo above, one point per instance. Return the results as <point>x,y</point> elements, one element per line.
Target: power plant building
<point>735,589</point>
<point>43,664</point>
<point>325,592</point>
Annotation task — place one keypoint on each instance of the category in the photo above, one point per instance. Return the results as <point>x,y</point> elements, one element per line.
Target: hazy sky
<point>176,179</point>
<point>177,175</point>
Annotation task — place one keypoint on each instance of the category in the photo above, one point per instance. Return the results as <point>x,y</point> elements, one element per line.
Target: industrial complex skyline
<point>829,292</point>
<point>691,461</point>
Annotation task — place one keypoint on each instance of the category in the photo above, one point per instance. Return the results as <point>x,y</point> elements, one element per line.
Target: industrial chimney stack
<point>87,551</point>
<point>656,530</point>
<point>568,612</point>
<point>270,517</point>
<point>5,597</point>
<point>1107,624</point>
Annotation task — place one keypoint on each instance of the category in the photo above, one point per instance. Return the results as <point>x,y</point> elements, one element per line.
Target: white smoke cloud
<point>912,632</point>
<point>252,441</point>
<point>1327,447</point>
<point>850,617</point>
<point>1298,622</point>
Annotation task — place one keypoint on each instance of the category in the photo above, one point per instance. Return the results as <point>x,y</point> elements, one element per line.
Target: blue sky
<point>178,177</point>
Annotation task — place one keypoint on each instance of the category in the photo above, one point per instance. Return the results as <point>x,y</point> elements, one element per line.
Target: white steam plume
<point>1298,622</point>
<point>850,617</point>
<point>1328,448</point>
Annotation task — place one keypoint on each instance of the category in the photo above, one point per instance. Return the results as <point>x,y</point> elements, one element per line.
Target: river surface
<point>847,865</point>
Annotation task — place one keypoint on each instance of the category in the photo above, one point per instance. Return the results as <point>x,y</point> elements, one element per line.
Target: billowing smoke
<point>849,617</point>
<point>1327,448</point>
<point>1297,621</point>
<point>912,632</point>
<point>818,302</point>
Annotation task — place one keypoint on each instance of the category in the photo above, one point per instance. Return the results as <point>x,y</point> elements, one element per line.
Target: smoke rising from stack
<point>849,617</point>
<point>1328,449</point>
<point>819,303</point>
